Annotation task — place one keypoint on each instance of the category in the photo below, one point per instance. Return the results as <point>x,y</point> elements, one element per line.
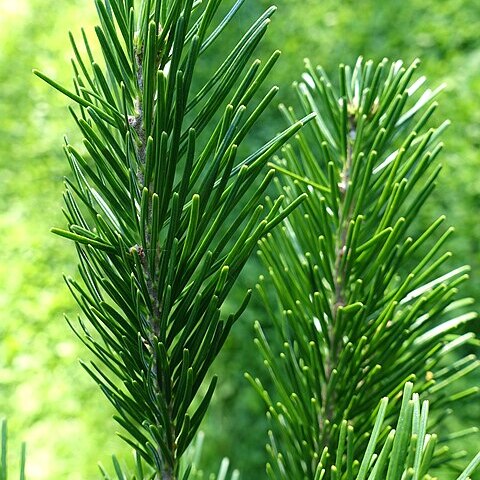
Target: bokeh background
<point>48,399</point>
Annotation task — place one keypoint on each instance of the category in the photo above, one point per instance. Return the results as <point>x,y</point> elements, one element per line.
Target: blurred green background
<point>49,401</point>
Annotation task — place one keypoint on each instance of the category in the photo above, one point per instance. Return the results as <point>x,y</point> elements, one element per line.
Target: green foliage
<point>141,472</point>
<point>356,314</point>
<point>444,34</point>
<point>146,208</point>
<point>196,473</point>
<point>404,452</point>
<point>4,454</point>
<point>189,467</point>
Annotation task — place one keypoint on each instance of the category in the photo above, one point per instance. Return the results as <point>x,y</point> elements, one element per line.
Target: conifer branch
<point>147,206</point>
<point>360,304</point>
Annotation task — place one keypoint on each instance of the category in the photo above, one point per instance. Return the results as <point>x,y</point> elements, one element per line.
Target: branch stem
<point>338,298</point>
<point>165,470</point>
